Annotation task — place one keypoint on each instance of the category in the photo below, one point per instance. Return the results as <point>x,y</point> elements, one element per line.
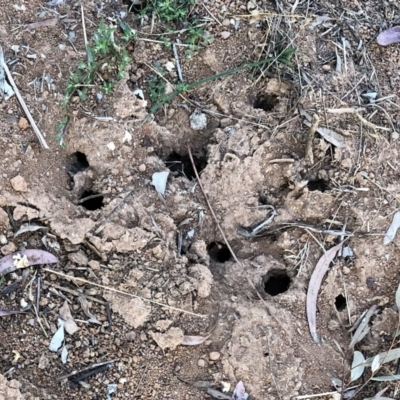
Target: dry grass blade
<point>72,278</point>
<point>311,133</point>
<point>314,285</point>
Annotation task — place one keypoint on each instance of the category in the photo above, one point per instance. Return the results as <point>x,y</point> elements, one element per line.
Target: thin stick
<point>309,156</point>
<point>84,33</point>
<point>281,161</point>
<point>141,379</point>
<point>229,246</point>
<point>76,293</point>
<point>72,278</point>
<point>21,101</point>
<point>91,366</point>
<point>178,64</point>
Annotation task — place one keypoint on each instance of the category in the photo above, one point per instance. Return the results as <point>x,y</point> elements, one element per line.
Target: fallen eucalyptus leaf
<point>239,393</point>
<point>193,340</point>
<point>394,226</point>
<point>384,357</point>
<point>375,364</point>
<point>4,313</point>
<point>389,36</point>
<point>363,327</point>
<point>34,257</point>
<point>58,337</point>
<point>69,323</point>
<point>64,355</point>
<point>85,307</point>
<point>329,135</point>
<point>31,228</point>
<point>357,369</point>
<point>314,285</point>
<point>218,395</point>
<point>386,379</point>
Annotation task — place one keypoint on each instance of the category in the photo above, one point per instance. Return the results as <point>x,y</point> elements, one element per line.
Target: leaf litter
<point>85,307</point>
<point>25,259</point>
<point>314,286</point>
<point>69,323</point>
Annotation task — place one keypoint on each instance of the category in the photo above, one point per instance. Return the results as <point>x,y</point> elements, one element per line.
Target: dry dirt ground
<point>251,154</point>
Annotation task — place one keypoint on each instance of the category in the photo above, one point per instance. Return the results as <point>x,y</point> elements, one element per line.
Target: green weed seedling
<point>104,56</point>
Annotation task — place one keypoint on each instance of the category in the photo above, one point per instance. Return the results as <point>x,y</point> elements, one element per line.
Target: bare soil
<point>170,254</point>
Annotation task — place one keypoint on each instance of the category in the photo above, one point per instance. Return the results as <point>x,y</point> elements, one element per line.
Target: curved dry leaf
<point>4,313</point>
<point>392,230</point>
<point>69,323</point>
<point>193,340</point>
<point>240,392</point>
<point>357,367</point>
<point>398,298</point>
<point>85,308</point>
<point>35,257</point>
<point>58,337</point>
<point>389,36</point>
<point>329,135</point>
<point>314,285</point>
<point>384,357</point>
<point>386,379</point>
<point>31,228</point>
<point>363,327</point>
<point>375,364</point>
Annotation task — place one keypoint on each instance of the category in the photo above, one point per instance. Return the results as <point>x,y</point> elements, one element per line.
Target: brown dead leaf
<point>69,324</point>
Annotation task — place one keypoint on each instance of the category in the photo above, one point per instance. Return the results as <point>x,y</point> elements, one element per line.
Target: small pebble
<point>346,270</point>
<point>201,363</point>
<point>326,68</point>
<point>215,355</point>
<point>142,167</point>
<point>18,183</point>
<point>225,34</point>
<point>23,123</point>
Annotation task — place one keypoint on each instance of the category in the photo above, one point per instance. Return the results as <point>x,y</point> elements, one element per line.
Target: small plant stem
<point>210,78</point>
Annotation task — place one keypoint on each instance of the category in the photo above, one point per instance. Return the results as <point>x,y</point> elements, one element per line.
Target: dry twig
<point>21,101</point>
<point>311,133</point>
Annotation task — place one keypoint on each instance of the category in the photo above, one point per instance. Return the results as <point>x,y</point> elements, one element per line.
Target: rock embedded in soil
<point>170,339</point>
<point>23,123</point>
<point>79,258</point>
<point>18,183</point>
<point>215,355</point>
<point>8,248</point>
<point>4,221</point>
<point>198,121</point>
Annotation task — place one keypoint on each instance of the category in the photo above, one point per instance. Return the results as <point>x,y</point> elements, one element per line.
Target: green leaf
<point>357,369</point>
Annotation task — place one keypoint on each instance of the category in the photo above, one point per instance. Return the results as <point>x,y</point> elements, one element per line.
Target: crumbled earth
<point>154,267</point>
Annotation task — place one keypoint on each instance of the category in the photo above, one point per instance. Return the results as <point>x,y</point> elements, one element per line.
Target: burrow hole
<point>78,163</point>
<point>182,166</point>
<point>340,302</point>
<point>94,201</point>
<point>317,184</point>
<point>266,101</point>
<point>276,281</point>
<point>219,252</point>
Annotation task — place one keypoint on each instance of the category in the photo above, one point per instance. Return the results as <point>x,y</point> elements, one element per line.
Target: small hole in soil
<point>219,252</point>
<point>134,7</point>
<point>340,302</point>
<point>94,202</point>
<point>276,282</point>
<point>181,165</point>
<point>318,184</point>
<point>79,163</point>
<point>265,101</point>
